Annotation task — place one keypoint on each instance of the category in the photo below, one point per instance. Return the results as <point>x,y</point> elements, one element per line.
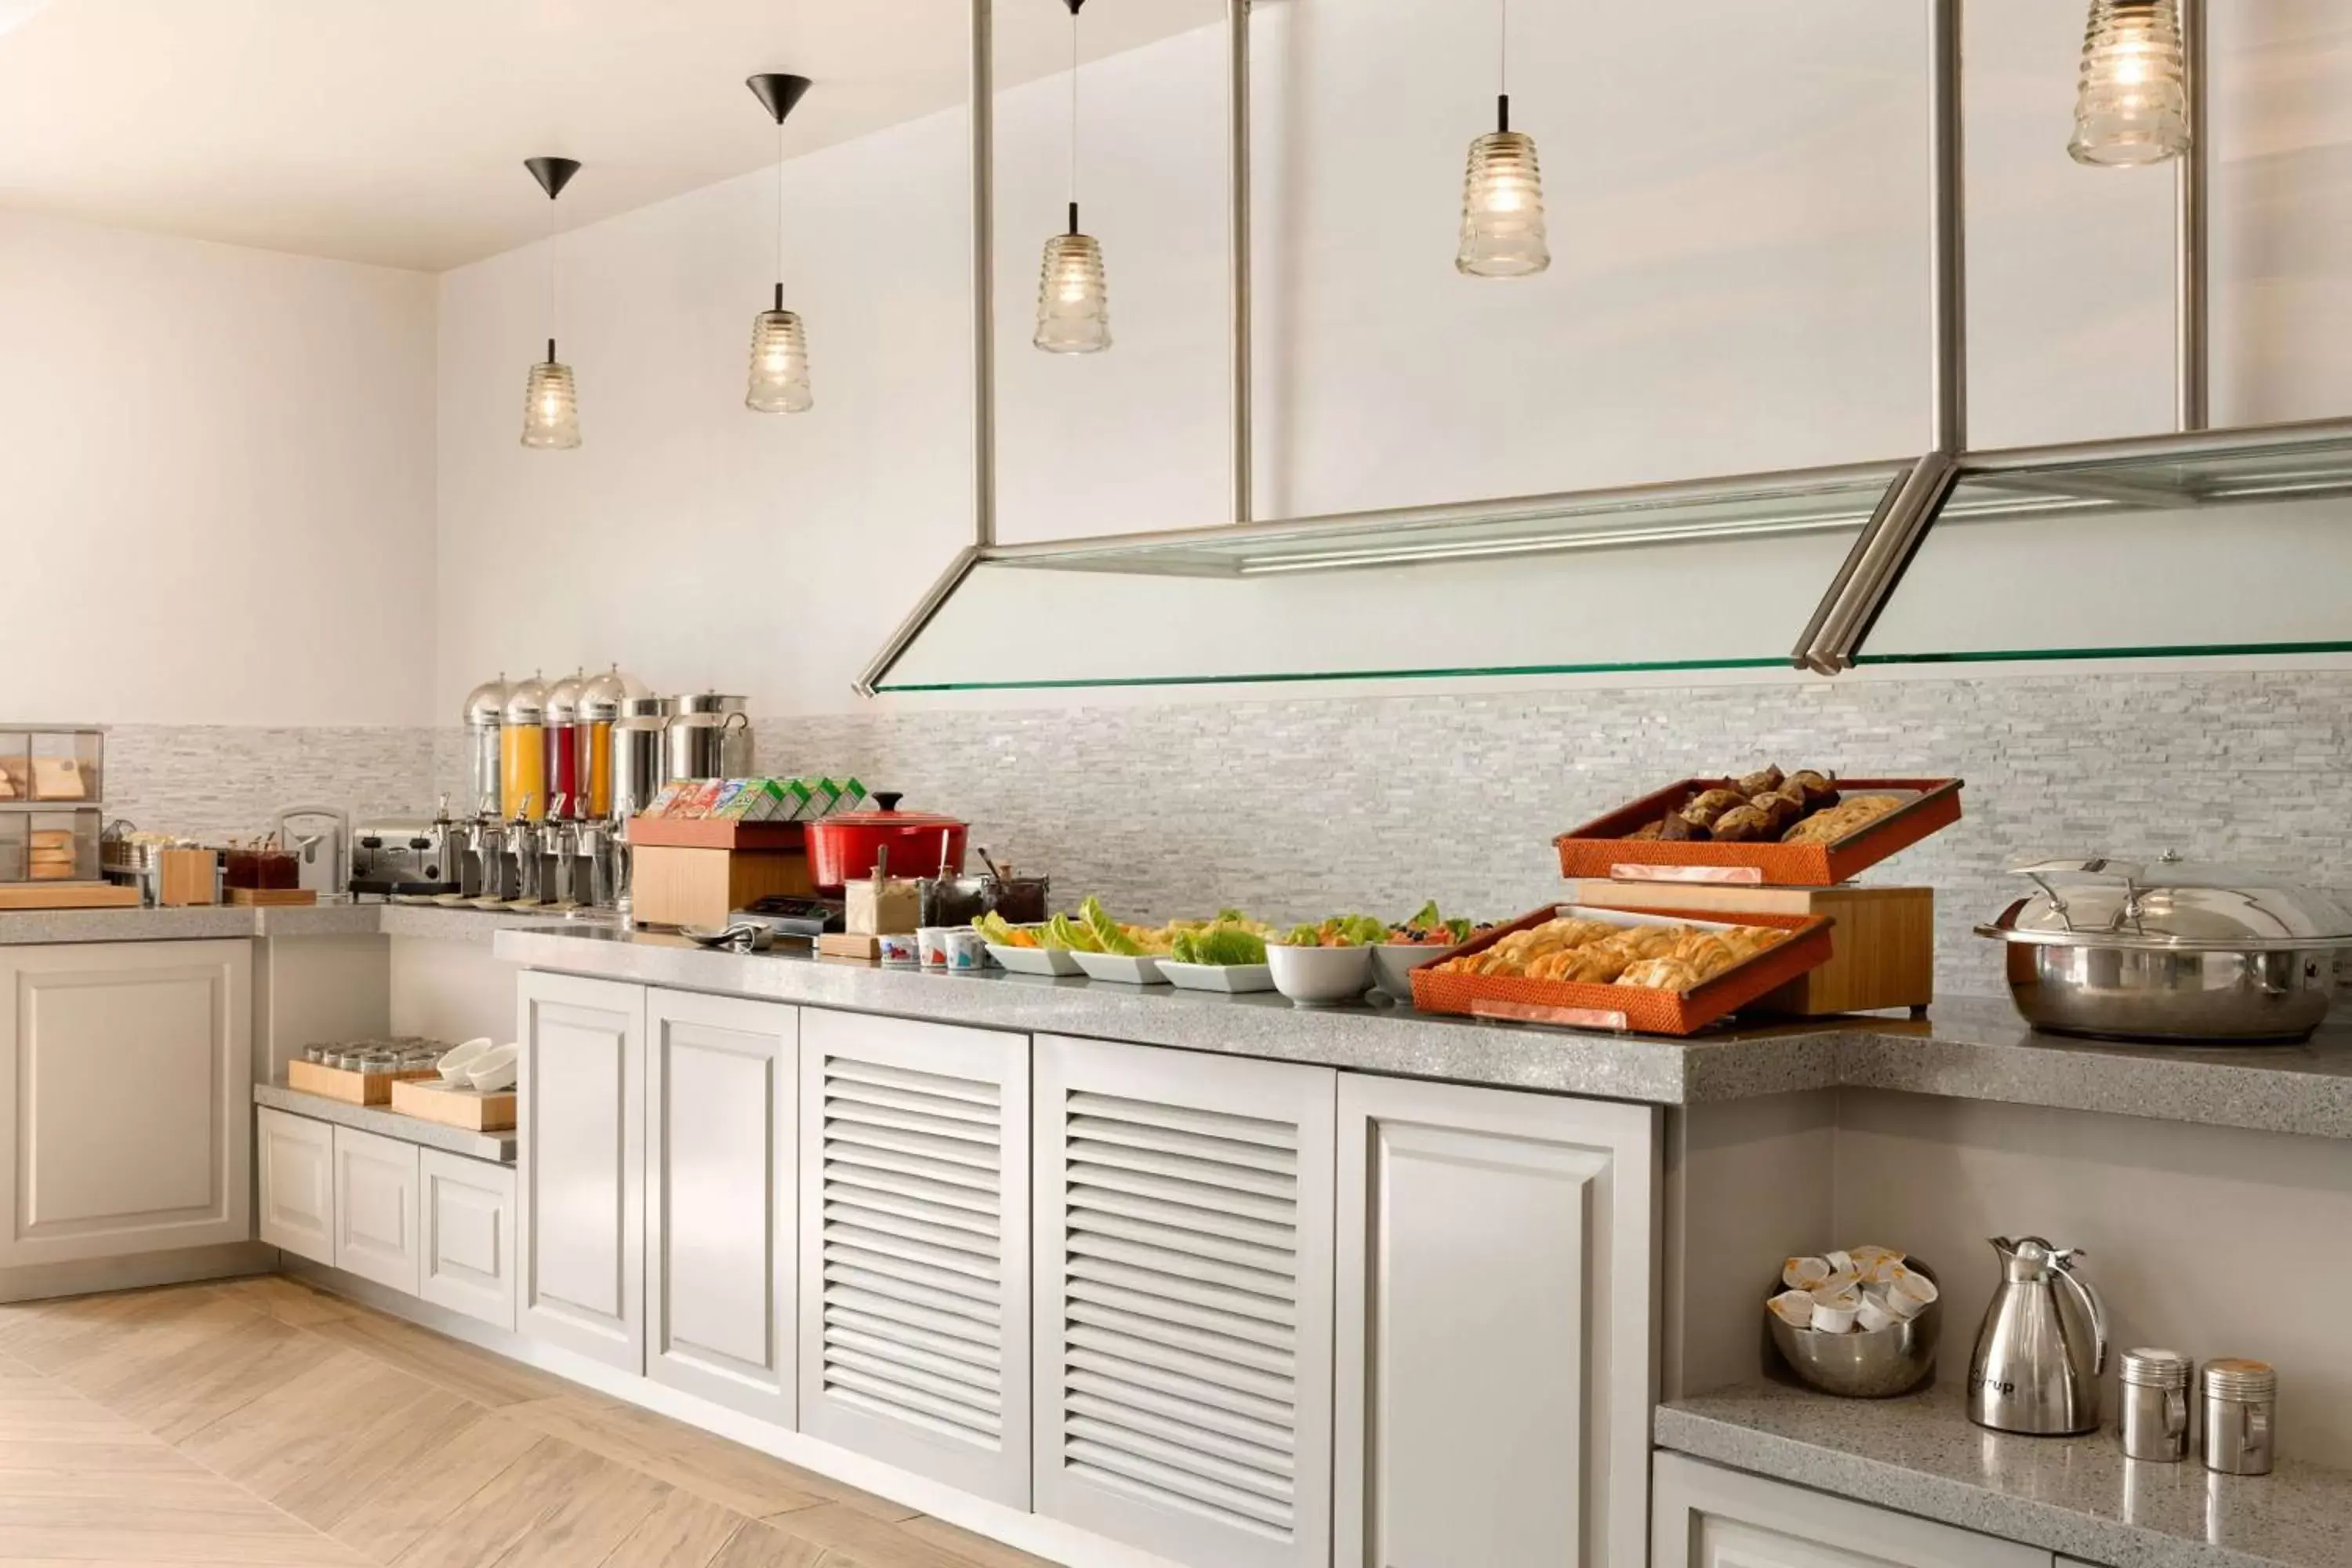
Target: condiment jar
<point>2156,1405</point>
<point>2241,1409</point>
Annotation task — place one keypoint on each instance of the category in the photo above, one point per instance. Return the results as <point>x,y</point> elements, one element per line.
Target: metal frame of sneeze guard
<point>1947,481</point>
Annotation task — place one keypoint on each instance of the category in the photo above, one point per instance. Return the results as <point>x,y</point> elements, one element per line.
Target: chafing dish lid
<point>2171,903</point>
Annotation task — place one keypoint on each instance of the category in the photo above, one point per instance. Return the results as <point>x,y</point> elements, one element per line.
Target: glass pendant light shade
<point>1073,296</point>
<point>1502,209</point>
<point>780,365</point>
<point>2131,105</point>
<point>550,406</point>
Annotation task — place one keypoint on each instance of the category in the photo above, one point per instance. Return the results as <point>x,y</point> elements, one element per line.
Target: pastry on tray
<point>1850,815</point>
<point>1769,806</point>
<point>1595,952</point>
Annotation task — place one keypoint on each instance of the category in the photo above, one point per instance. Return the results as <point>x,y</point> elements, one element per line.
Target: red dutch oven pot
<point>842,849</point>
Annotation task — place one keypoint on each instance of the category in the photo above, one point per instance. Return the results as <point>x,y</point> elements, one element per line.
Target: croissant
<point>1660,974</point>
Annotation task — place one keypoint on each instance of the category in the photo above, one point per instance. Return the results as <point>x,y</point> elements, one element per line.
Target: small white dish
<point>1035,960</point>
<point>1124,969</point>
<point>457,1058</point>
<point>1321,976</point>
<point>494,1070</point>
<point>1232,979</point>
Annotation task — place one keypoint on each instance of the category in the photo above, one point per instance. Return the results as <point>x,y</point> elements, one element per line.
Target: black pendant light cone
<point>550,404</point>
<point>779,381</point>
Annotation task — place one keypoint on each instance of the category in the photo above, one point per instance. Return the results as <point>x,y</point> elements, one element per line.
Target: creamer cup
<point>1804,1273</point>
<point>1875,1314</point>
<point>899,948</point>
<point>1794,1308</point>
<point>932,942</point>
<point>965,950</point>
<point>1835,1310</point>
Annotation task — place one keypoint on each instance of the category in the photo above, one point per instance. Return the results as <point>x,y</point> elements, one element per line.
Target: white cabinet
<point>914,1247</point>
<point>375,1208</point>
<point>125,1116</point>
<point>1184,1317</point>
<point>722,1090</point>
<point>296,1157</point>
<point>1709,1516</point>
<point>466,1223</point>
<point>581,1119</point>
<point>1495,1326</point>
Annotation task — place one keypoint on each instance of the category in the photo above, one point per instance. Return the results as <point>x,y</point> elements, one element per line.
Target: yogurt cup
<point>965,950</point>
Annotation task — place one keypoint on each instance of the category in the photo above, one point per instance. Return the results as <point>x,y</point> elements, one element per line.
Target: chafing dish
<point>2171,951</point>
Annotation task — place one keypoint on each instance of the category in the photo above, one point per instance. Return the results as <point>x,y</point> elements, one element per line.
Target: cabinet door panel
<point>1495,1345</point>
<point>914,1242</point>
<point>1709,1516</point>
<point>722,1086</point>
<point>580,1118</point>
<point>467,1221</point>
<point>297,1160</point>
<point>1183,1322</point>
<point>125,1075</point>
<point>375,1208</point>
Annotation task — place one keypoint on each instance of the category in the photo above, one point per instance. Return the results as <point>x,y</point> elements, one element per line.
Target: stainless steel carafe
<point>2042,1346</point>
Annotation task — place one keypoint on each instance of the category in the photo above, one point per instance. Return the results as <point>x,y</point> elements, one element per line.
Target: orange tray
<point>1580,1004</point>
<point>1600,849</point>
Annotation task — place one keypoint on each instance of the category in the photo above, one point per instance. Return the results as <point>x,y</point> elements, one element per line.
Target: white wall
<point>216,482</point>
<point>1737,210</point>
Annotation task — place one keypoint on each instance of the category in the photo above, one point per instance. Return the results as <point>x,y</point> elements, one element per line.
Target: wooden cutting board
<point>350,1088</point>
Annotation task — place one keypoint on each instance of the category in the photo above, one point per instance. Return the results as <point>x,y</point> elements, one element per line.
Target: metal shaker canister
<point>2156,1405</point>
<point>2240,1412</point>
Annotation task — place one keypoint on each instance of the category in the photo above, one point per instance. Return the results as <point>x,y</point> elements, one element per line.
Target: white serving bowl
<point>457,1059</point>
<point>1393,963</point>
<point>1230,979</point>
<point>1320,976</point>
<point>494,1070</point>
<point>1035,960</point>
<point>1126,968</point>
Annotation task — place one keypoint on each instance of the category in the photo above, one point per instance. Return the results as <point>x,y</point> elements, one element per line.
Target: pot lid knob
<point>888,799</point>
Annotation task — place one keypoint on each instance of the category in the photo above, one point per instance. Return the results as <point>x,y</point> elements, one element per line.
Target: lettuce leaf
<point>1109,934</point>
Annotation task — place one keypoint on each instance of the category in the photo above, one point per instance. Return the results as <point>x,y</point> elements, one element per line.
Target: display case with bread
<point>51,780</point>
<point>1806,828</point>
<point>1662,972</point>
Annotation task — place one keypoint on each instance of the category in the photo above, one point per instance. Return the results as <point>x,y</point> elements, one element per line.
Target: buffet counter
<point>1971,1048</point>
<point>27,928</point>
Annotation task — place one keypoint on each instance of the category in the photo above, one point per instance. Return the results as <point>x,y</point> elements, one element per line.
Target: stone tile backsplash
<point>1297,807</point>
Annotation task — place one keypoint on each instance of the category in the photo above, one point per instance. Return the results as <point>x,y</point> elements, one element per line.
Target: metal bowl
<point>1878,1365</point>
<point>2239,996</point>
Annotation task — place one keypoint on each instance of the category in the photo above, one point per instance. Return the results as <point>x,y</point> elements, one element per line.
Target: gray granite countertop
<point>20,928</point>
<point>2079,1497</point>
<point>1971,1048</point>
<point>376,1119</point>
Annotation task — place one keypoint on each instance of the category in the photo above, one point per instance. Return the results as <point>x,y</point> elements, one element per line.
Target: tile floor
<point>259,1421</point>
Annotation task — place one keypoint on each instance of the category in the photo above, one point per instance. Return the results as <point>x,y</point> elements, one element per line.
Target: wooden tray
<point>350,1088</point>
<point>1578,1004</point>
<point>455,1105</point>
<point>70,896</point>
<point>1600,847</point>
<point>1885,950</point>
<point>273,897</point>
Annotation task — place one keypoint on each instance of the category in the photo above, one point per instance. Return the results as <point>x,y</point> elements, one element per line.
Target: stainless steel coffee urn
<point>640,739</point>
<point>485,710</point>
<point>710,738</point>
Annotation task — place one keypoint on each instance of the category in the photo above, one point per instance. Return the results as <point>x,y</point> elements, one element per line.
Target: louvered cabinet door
<point>1495,1326</point>
<point>1184,1247</point>
<point>914,1239</point>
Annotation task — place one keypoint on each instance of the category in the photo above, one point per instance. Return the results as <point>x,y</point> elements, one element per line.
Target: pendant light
<point>2131,105</point>
<point>780,369</point>
<point>550,404</point>
<point>1073,296</point>
<point>1502,193</point>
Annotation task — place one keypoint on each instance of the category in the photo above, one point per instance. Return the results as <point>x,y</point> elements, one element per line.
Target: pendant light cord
<point>1502,65</point>
<point>780,215</point>
<point>552,323</point>
<point>1073,119</point>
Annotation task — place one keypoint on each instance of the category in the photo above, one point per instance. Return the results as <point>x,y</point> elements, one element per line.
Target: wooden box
<point>697,873</point>
<point>350,1088</point>
<point>1884,955</point>
<point>186,877</point>
<point>70,896</point>
<point>455,1105</point>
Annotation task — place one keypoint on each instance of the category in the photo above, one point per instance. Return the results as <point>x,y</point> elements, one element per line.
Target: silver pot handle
<point>2098,1310</point>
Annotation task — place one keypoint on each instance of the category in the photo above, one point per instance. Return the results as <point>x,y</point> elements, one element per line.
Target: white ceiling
<point>394,130</point>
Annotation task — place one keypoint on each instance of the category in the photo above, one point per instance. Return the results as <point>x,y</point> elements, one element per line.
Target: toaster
<point>404,858</point>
